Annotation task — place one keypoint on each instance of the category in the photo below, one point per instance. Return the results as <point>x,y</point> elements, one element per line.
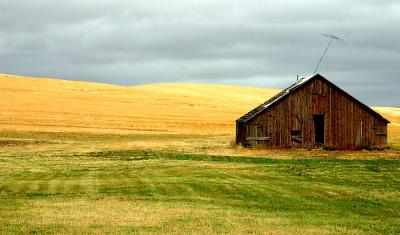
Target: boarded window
<point>255,130</point>
<point>296,133</point>
<point>296,136</point>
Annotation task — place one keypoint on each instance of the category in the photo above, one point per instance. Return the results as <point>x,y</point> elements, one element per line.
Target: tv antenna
<point>332,37</point>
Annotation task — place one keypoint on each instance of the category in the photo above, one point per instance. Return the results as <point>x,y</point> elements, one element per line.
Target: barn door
<point>319,129</point>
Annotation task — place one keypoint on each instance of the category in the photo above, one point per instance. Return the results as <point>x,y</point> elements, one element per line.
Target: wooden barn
<point>313,112</point>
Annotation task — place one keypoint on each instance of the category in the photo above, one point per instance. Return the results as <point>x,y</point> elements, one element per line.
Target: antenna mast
<point>332,37</point>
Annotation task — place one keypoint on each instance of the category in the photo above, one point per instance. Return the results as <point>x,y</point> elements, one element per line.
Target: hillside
<point>37,104</point>
<point>57,105</point>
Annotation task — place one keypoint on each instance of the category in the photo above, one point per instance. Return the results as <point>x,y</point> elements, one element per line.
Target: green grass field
<point>47,187</point>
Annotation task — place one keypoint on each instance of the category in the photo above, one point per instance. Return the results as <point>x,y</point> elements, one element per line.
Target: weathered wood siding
<point>289,122</point>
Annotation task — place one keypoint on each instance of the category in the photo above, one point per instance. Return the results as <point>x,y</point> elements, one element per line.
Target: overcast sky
<point>248,42</point>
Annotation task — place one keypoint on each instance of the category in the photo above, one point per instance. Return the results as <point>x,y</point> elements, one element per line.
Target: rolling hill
<point>42,104</point>
<point>35,104</point>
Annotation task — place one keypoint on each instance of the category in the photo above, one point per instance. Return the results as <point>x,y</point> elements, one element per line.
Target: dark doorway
<point>319,129</point>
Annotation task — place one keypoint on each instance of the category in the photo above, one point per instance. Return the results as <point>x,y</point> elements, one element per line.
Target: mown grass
<point>144,191</point>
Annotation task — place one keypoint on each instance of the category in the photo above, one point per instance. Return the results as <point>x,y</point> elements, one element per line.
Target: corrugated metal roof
<point>287,91</point>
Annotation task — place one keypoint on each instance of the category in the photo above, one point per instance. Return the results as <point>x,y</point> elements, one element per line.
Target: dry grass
<point>123,213</point>
<point>31,104</point>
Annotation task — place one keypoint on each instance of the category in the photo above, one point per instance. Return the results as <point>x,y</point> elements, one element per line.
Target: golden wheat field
<point>52,105</point>
<point>57,105</point>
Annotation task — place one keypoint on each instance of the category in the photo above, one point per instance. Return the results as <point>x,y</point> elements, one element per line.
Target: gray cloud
<point>258,43</point>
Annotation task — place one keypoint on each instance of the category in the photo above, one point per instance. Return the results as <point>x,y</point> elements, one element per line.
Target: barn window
<point>255,135</point>
<point>256,130</point>
<point>380,133</point>
<point>296,136</point>
<point>296,133</point>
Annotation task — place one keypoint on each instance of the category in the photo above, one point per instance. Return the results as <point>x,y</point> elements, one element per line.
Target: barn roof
<point>294,87</point>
